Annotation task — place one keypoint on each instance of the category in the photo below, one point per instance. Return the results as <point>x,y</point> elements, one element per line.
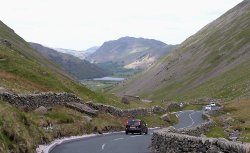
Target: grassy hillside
<point>24,70</point>
<point>234,116</point>
<point>21,132</point>
<point>79,68</point>
<point>213,63</point>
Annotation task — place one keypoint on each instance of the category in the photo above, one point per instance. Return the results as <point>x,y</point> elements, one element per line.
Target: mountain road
<point>122,143</point>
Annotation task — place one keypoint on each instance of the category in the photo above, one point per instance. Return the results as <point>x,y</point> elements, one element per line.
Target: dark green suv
<point>136,126</point>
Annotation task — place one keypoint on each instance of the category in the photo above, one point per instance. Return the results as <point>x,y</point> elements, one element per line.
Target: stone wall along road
<point>168,142</point>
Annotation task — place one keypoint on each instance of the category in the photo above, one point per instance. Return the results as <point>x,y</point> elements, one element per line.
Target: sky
<point>81,24</point>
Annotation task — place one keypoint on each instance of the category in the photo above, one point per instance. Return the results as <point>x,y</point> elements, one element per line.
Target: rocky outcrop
<point>132,98</point>
<point>87,118</point>
<point>125,100</point>
<point>41,110</point>
<point>5,42</point>
<point>174,106</point>
<point>158,109</point>
<point>169,142</point>
<point>166,117</point>
<point>82,108</point>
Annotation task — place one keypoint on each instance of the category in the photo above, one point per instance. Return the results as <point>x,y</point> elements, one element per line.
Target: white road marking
<point>190,116</point>
<point>103,146</point>
<point>117,139</point>
<point>135,136</point>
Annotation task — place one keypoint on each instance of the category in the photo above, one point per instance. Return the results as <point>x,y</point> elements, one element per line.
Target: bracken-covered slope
<point>79,68</point>
<point>24,70</point>
<point>213,63</point>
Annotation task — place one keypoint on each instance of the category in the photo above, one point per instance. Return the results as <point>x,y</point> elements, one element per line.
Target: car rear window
<point>136,123</point>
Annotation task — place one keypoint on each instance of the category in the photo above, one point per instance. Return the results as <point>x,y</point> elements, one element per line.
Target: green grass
<point>156,121</point>
<point>24,70</point>
<point>24,76</point>
<point>229,85</point>
<point>23,131</point>
<point>118,70</point>
<point>99,86</point>
<point>213,63</point>
<point>60,116</point>
<point>216,132</point>
<point>193,107</point>
<point>245,136</point>
<point>188,107</point>
<point>235,114</point>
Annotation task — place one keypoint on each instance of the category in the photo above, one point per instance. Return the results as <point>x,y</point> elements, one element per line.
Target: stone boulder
<point>125,100</point>
<point>82,108</point>
<point>158,109</point>
<point>2,90</point>
<point>87,118</point>
<point>174,106</point>
<point>132,98</point>
<point>5,42</point>
<point>41,110</point>
<point>166,117</point>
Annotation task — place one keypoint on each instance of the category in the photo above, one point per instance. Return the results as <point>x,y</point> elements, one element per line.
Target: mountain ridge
<point>78,68</point>
<point>220,47</point>
<point>126,51</point>
<point>25,70</point>
<point>77,53</point>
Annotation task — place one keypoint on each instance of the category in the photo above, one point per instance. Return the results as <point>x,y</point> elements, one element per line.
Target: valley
<point>102,84</point>
<point>197,93</point>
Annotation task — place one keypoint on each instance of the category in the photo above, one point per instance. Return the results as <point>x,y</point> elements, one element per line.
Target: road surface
<point>189,119</point>
<point>122,143</point>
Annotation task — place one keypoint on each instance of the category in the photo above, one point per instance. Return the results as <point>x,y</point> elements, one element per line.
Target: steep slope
<point>130,52</point>
<point>80,69</point>
<point>24,70</point>
<point>214,63</point>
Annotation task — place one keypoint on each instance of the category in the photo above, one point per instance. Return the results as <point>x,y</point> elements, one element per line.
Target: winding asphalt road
<point>189,119</point>
<point>122,143</point>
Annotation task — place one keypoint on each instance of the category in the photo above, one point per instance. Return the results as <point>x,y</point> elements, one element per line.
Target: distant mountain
<point>213,63</point>
<point>130,52</point>
<point>24,70</point>
<point>80,69</point>
<point>91,50</point>
<point>76,53</point>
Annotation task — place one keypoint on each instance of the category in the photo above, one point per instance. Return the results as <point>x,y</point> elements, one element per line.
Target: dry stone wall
<point>33,101</point>
<point>127,112</point>
<point>171,140</point>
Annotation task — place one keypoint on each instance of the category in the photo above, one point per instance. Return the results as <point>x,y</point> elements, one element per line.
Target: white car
<point>208,108</point>
<point>212,104</point>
